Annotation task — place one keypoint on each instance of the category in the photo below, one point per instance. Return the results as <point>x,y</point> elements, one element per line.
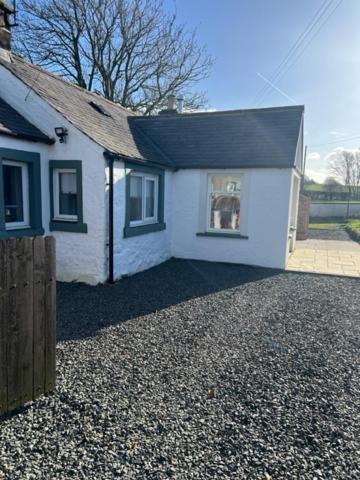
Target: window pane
<point>224,184</point>
<point>150,199</point>
<point>13,194</point>
<point>68,193</point>
<point>135,198</point>
<point>225,211</point>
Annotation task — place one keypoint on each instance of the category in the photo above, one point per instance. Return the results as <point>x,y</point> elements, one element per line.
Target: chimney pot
<point>171,102</point>
<point>180,104</point>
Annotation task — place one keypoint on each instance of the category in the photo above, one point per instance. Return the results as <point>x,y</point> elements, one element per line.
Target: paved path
<point>334,257</point>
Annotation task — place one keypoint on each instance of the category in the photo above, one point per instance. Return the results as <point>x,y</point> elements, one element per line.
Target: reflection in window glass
<point>225,202</point>
<point>150,198</point>
<point>68,193</point>
<point>135,198</point>
<point>13,194</point>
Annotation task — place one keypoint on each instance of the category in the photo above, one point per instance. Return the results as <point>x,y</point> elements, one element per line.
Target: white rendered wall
<point>80,257</point>
<point>333,209</point>
<point>265,210</point>
<point>134,254</point>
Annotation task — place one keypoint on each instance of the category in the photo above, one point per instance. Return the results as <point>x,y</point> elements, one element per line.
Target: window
<point>224,203</point>
<point>66,196</point>
<point>20,193</point>
<point>99,108</point>
<point>16,194</point>
<point>144,200</point>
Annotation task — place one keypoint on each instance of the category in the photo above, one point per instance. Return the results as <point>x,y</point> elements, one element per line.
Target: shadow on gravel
<point>84,310</point>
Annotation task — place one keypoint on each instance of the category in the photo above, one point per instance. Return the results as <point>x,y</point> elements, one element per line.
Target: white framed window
<point>223,203</point>
<point>16,194</point>
<point>143,198</point>
<point>65,193</point>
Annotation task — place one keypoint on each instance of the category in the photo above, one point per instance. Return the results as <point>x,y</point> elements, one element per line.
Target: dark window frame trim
<point>150,227</point>
<point>62,225</point>
<point>32,159</point>
<point>222,234</point>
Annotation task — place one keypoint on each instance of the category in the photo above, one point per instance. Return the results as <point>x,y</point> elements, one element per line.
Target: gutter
<point>123,158</point>
<point>30,138</point>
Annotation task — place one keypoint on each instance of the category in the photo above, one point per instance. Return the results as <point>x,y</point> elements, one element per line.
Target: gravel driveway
<point>198,371</point>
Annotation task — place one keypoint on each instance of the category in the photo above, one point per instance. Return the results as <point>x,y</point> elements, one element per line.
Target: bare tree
<point>345,165</point>
<point>332,186</point>
<point>132,51</point>
<point>356,175</point>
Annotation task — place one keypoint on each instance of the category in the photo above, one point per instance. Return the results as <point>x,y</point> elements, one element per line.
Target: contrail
<point>275,87</point>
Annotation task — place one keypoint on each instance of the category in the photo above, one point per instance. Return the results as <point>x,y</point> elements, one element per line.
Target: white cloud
<point>338,151</point>
<point>313,157</point>
<point>315,167</point>
<point>316,175</point>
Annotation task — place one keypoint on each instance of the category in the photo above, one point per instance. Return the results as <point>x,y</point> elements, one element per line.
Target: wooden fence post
<point>3,328</point>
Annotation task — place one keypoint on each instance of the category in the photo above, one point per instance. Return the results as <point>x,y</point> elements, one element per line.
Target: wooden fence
<point>27,320</point>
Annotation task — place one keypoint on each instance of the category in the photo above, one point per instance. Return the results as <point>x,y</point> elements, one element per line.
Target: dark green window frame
<point>32,159</point>
<point>130,231</point>
<point>77,226</point>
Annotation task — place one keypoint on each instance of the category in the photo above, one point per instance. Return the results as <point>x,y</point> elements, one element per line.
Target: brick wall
<point>303,218</point>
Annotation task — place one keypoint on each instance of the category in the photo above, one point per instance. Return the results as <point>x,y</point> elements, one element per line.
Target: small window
<point>143,199</point>
<point>99,108</point>
<point>145,195</point>
<point>224,203</point>
<point>16,194</point>
<point>65,195</point>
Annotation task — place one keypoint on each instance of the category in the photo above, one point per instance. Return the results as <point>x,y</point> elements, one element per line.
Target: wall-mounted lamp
<point>61,133</point>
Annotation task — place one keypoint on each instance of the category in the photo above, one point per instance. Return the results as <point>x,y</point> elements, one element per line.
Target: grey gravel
<point>320,234</point>
<point>194,370</point>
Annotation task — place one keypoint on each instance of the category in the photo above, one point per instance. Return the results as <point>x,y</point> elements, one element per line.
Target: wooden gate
<point>27,320</point>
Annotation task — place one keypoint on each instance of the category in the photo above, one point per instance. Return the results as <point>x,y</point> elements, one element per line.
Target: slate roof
<point>111,131</point>
<point>14,125</point>
<point>231,139</point>
<point>265,137</point>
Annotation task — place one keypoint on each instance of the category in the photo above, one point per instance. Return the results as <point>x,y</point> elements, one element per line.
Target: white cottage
<point>122,192</point>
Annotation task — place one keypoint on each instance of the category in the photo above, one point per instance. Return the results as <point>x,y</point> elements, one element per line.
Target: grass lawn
<point>351,225</point>
<point>336,201</point>
<point>328,223</point>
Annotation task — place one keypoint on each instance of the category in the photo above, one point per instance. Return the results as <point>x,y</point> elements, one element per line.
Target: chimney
<point>5,30</point>
<point>171,102</point>
<point>171,105</point>
<point>180,104</point>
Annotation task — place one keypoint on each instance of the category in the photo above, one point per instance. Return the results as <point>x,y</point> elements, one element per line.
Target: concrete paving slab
<point>333,257</point>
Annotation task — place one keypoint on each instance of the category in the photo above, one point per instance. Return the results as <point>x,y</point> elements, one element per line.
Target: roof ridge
<point>224,112</point>
<point>64,80</point>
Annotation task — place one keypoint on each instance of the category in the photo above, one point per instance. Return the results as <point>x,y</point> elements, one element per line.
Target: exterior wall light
<point>61,133</point>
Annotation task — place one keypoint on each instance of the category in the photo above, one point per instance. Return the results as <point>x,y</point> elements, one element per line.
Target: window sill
<point>21,232</point>
<point>65,226</point>
<point>143,229</point>
<point>224,234</point>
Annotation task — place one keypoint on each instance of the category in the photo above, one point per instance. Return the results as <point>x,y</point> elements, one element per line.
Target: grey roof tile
<point>14,125</point>
<point>265,137</point>
<point>232,139</point>
<point>111,131</point>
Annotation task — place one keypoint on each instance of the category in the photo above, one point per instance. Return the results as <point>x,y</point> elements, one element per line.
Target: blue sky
<point>250,36</point>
